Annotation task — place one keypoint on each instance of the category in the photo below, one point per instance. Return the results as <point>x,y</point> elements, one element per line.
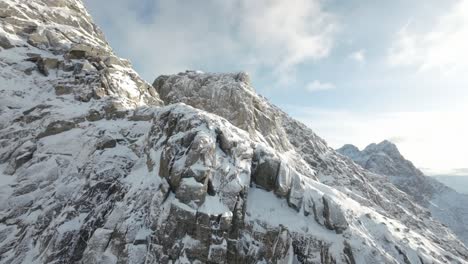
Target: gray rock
<point>200,158</point>
<point>57,127</point>
<point>265,171</point>
<point>82,51</point>
<point>113,60</point>
<point>20,156</point>
<point>114,110</point>
<point>191,192</point>
<point>99,92</point>
<point>166,167</point>
<point>5,43</point>
<point>284,180</point>
<point>36,39</point>
<point>28,188</point>
<point>83,67</point>
<point>63,90</point>
<point>106,142</point>
<point>296,195</point>
<point>94,115</point>
<point>44,65</point>
<point>334,217</point>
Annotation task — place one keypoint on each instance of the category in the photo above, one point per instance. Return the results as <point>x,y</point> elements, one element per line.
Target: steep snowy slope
<point>232,97</point>
<point>445,204</point>
<point>97,166</point>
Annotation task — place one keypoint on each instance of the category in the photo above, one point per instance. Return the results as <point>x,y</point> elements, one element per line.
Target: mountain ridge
<point>103,167</point>
<point>445,204</point>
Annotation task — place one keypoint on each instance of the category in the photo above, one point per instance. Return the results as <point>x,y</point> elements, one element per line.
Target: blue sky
<point>354,71</point>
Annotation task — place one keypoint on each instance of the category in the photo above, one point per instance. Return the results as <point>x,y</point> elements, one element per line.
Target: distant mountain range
<point>446,204</point>
<point>458,183</point>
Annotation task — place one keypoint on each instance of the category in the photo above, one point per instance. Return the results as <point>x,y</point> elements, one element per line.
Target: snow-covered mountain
<point>445,204</point>
<point>98,166</point>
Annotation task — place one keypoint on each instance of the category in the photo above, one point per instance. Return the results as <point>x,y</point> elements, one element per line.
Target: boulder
<point>97,244</point>
<point>93,115</point>
<point>265,171</point>
<point>83,67</point>
<point>296,193</point>
<point>56,40</point>
<point>20,156</point>
<point>283,180</point>
<point>63,89</point>
<point>82,51</point>
<point>25,189</point>
<point>217,253</point>
<point>201,157</point>
<point>5,43</point>
<point>172,173</point>
<point>37,39</point>
<point>29,28</point>
<point>181,220</point>
<point>99,92</point>
<point>243,77</point>
<point>313,205</point>
<point>44,64</point>
<point>110,61</point>
<point>333,215</point>
<point>114,110</point>
<point>106,142</point>
<point>57,127</point>
<point>191,192</point>
<point>225,221</point>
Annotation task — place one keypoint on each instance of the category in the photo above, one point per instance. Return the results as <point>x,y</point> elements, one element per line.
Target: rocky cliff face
<point>445,204</point>
<point>97,166</point>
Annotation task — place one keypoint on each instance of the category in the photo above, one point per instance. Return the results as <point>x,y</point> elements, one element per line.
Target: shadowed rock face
<point>97,166</point>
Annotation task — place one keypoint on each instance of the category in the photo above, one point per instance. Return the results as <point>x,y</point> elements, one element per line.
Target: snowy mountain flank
<point>445,204</point>
<point>98,166</point>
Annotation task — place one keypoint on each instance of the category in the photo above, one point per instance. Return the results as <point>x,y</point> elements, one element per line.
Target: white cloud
<point>433,140</point>
<point>271,36</point>
<point>358,56</point>
<point>319,86</point>
<point>443,48</point>
<point>285,33</point>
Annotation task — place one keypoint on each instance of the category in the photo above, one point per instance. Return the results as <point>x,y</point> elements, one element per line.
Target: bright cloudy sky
<point>354,71</point>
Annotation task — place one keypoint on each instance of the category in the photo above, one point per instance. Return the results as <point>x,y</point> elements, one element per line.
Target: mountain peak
<point>349,150</point>
<point>387,143</point>
<point>381,158</point>
<point>386,147</point>
<point>384,158</point>
<point>350,147</point>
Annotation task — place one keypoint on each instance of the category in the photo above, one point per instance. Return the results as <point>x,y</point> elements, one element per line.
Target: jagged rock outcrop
<point>445,204</point>
<point>304,148</point>
<point>233,99</point>
<point>97,166</point>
